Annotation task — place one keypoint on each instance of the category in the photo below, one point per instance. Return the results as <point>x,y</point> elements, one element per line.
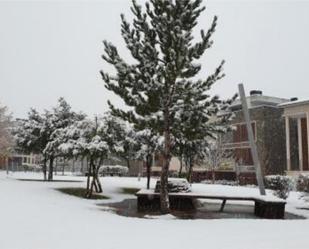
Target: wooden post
<point>254,152</point>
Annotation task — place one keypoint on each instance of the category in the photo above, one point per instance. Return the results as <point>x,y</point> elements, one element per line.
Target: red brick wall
<point>2,163</point>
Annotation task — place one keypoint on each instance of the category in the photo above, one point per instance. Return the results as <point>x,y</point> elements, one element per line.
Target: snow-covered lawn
<point>33,215</point>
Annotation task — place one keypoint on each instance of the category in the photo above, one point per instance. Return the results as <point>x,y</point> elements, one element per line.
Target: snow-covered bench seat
<point>268,207</point>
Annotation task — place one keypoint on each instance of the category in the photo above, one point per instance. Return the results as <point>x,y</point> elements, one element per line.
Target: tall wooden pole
<point>254,152</point>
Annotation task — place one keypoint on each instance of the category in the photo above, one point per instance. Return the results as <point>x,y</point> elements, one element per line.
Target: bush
<point>302,183</point>
<point>282,185</point>
<point>221,182</point>
<point>182,175</point>
<point>175,186</point>
<point>113,170</point>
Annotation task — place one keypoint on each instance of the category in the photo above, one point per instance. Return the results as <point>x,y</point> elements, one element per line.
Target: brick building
<point>269,132</point>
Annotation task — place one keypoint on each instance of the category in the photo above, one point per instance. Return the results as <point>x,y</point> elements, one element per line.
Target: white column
<point>307,119</point>
<point>288,151</point>
<point>300,144</point>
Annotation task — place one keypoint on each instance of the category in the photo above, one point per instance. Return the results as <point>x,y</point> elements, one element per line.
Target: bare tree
<point>217,155</point>
<point>6,140</point>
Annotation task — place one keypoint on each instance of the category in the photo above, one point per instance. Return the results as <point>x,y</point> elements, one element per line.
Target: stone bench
<point>269,208</point>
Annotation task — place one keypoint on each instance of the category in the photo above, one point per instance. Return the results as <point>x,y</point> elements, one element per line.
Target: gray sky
<point>50,49</point>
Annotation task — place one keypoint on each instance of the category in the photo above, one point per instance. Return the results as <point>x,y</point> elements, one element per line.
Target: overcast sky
<point>51,49</point>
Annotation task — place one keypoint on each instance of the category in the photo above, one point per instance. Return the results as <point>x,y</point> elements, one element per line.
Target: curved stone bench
<point>265,207</point>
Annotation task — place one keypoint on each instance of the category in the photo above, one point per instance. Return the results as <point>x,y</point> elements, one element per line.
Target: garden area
<point>31,208</point>
<point>153,157</point>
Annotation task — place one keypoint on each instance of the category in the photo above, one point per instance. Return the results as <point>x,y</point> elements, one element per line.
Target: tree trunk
<point>51,168</point>
<point>63,165</point>
<point>164,200</point>
<point>45,168</point>
<point>56,166</point>
<point>128,163</point>
<point>213,175</point>
<point>95,181</point>
<point>148,166</point>
<point>88,178</point>
<point>100,189</point>
<point>73,166</point>
<point>90,185</point>
<point>82,165</point>
<point>189,176</point>
<point>181,165</point>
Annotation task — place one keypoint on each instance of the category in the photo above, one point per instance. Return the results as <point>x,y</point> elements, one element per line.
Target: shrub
<point>182,175</point>
<point>113,170</point>
<point>282,185</point>
<point>221,182</point>
<point>175,186</point>
<point>302,183</point>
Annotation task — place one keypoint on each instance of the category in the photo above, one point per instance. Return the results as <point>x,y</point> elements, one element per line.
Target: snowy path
<point>35,216</point>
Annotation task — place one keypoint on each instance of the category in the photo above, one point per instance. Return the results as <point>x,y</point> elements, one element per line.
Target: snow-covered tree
<point>5,133</point>
<point>59,118</point>
<point>86,138</point>
<point>121,138</point>
<point>199,120</point>
<point>149,145</point>
<point>32,135</point>
<point>161,42</point>
<point>38,132</point>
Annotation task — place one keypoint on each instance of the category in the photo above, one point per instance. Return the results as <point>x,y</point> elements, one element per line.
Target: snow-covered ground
<point>33,215</point>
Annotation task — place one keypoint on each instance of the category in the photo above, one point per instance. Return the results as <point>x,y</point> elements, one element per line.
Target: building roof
<point>258,100</point>
<point>294,103</point>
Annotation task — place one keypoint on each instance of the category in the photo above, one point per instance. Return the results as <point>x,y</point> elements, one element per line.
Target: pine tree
<point>161,42</point>
<point>199,119</point>
<point>121,138</point>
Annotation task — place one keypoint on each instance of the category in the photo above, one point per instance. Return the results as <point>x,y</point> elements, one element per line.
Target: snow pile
<point>161,217</point>
<point>175,186</point>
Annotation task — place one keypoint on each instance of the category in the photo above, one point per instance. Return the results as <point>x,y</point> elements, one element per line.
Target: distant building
<point>296,115</point>
<point>20,162</point>
<point>269,133</point>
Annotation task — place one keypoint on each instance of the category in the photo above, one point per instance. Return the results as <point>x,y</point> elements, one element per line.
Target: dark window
<point>243,156</point>
<point>240,134</point>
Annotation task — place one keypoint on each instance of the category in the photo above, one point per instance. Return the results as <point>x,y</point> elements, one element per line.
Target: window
<point>241,134</point>
<point>243,156</point>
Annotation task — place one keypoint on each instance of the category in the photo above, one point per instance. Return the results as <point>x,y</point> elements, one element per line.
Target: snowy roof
<point>294,103</point>
<point>258,101</point>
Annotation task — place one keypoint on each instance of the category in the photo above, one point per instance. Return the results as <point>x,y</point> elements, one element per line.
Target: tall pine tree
<point>161,41</point>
